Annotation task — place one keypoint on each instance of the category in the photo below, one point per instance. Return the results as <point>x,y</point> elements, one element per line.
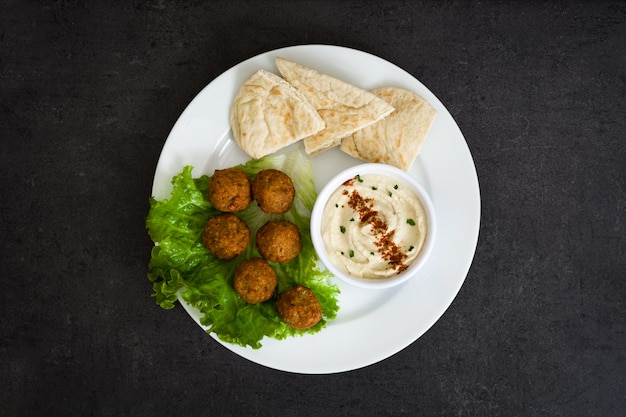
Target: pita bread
<point>269,114</point>
<point>398,138</point>
<point>344,107</point>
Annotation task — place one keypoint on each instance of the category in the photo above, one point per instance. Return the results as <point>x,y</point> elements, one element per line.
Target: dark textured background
<point>89,92</point>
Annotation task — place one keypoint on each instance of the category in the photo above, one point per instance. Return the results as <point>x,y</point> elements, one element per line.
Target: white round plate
<point>371,325</point>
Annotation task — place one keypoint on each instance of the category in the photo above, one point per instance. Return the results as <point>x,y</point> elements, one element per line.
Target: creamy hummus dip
<point>373,226</point>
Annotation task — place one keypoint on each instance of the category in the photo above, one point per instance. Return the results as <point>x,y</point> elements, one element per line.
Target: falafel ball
<point>229,190</point>
<point>279,241</point>
<point>226,236</point>
<point>299,307</point>
<point>255,280</point>
<point>273,190</point>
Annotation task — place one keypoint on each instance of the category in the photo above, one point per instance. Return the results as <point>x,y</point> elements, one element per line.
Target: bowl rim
<point>381,169</point>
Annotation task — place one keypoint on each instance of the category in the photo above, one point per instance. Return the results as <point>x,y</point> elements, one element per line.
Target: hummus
<point>373,226</point>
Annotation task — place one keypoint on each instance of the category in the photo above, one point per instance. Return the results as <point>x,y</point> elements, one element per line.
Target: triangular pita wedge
<point>268,114</point>
<point>397,139</point>
<point>344,107</point>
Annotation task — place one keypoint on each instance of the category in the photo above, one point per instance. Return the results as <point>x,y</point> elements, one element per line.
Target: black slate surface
<point>89,92</point>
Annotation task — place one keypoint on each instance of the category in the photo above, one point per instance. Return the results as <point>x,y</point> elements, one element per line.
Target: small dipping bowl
<point>397,176</point>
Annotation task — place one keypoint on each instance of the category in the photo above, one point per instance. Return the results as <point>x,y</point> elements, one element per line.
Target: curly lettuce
<point>182,268</point>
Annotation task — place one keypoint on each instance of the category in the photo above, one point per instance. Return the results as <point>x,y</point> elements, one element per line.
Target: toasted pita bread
<point>344,107</point>
<point>397,139</point>
<point>269,114</point>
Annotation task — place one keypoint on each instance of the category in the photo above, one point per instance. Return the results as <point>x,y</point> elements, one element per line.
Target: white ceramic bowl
<point>317,224</point>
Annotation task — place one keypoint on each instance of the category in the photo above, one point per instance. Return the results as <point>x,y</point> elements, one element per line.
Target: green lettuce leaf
<point>181,267</point>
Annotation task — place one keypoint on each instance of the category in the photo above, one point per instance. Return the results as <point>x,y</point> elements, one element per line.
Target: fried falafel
<point>279,241</point>
<point>255,280</point>
<point>230,190</point>
<point>299,307</point>
<point>226,236</point>
<point>273,190</point>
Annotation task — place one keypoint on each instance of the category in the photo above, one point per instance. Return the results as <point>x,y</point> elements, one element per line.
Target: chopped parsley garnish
<point>395,187</point>
<point>390,193</point>
<point>351,253</point>
<point>342,229</point>
<point>411,248</point>
<point>336,205</point>
<point>410,222</point>
<point>358,178</point>
<point>352,219</point>
<point>374,188</point>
